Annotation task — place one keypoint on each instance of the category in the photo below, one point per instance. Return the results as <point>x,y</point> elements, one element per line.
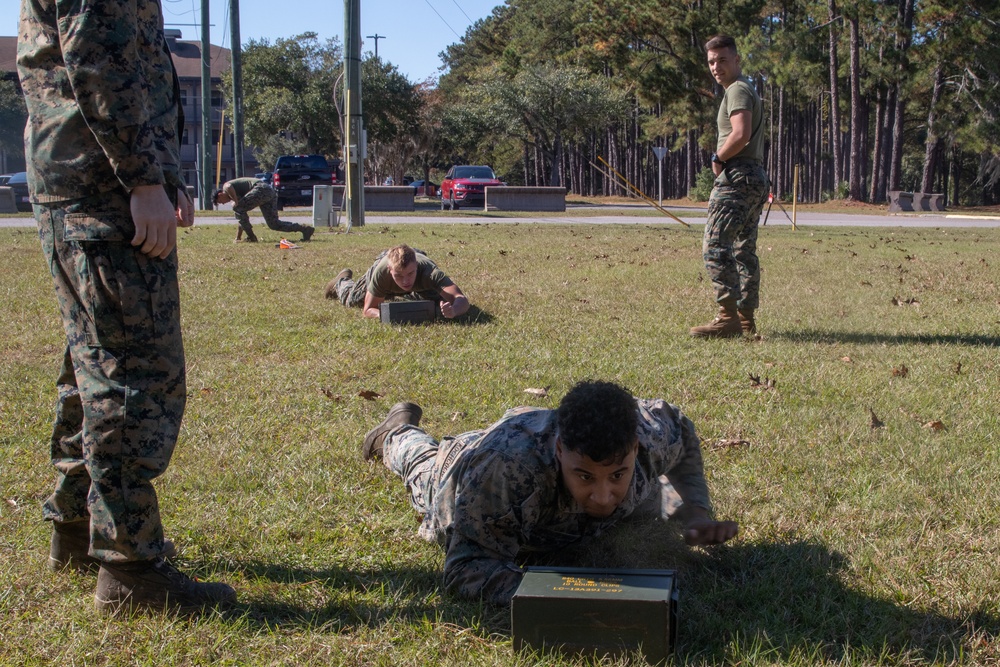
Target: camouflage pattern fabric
<point>103,118</point>
<point>102,98</point>
<point>263,196</point>
<point>122,384</point>
<point>730,242</point>
<point>492,497</point>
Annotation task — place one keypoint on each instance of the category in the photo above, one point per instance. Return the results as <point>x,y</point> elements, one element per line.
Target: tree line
<point>861,96</point>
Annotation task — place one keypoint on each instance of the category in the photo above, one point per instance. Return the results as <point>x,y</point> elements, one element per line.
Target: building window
<point>184,97</point>
<point>184,138</point>
<point>216,98</point>
<point>215,137</point>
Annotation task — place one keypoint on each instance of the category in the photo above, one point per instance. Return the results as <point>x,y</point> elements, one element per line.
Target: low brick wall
<point>523,198</point>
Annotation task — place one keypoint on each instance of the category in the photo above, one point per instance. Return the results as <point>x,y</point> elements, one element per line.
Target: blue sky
<point>415,31</point>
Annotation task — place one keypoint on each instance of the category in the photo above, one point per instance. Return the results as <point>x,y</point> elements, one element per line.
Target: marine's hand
<point>155,220</point>
<point>185,209</point>
<point>703,531</point>
<point>459,306</point>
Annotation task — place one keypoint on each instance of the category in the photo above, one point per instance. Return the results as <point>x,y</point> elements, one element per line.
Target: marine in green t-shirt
<point>399,271</point>
<point>741,187</point>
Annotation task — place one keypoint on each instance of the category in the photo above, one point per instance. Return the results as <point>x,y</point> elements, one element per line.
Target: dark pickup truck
<point>295,175</point>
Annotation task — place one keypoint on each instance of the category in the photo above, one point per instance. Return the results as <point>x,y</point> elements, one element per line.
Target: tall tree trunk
<point>692,147</point>
<point>857,157</point>
<point>877,149</point>
<point>782,149</point>
<point>931,145</point>
<point>903,41</point>
<point>956,172</point>
<point>838,167</point>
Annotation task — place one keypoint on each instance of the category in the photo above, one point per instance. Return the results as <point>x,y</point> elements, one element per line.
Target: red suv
<point>466,184</point>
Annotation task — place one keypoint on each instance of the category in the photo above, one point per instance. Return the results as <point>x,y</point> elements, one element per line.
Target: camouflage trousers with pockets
<point>417,459</point>
<point>121,389</point>
<point>263,196</point>
<point>729,246</point>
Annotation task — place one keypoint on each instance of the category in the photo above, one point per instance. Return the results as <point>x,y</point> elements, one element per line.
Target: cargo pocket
<point>93,240</point>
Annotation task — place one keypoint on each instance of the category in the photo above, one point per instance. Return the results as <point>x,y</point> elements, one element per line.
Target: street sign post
<point>660,152</point>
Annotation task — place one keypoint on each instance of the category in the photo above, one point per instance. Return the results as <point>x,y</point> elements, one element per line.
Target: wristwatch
<point>715,158</point>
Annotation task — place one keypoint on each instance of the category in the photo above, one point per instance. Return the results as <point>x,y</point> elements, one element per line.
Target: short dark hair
<point>721,42</point>
<point>598,420</point>
<point>215,196</point>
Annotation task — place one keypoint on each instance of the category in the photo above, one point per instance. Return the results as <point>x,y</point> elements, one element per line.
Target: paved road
<point>622,217</point>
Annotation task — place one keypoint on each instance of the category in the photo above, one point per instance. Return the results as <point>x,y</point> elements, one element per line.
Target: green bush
<point>703,182</point>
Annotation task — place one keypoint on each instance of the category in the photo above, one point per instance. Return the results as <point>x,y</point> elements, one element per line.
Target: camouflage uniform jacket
<point>499,496</point>
<point>102,96</point>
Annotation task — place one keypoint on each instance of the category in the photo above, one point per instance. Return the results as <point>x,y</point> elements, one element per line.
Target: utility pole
<point>354,148</point>
<point>376,37</point>
<point>237,62</point>
<point>206,110</point>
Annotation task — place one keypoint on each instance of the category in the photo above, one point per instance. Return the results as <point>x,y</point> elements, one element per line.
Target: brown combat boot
<point>70,547</point>
<point>331,287</point>
<point>747,321</point>
<point>399,414</point>
<point>156,586</point>
<point>725,325</point>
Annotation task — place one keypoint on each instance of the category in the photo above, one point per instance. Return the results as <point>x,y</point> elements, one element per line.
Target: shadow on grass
<point>868,338</point>
<point>787,602</point>
<point>793,601</point>
<point>364,598</point>
<point>474,315</point>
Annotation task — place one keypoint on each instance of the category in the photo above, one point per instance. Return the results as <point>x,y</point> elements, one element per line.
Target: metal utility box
<point>605,612</point>
<point>406,312</point>
<point>322,205</point>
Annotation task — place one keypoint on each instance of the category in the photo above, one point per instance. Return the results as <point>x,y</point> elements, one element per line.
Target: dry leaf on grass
<point>456,416</point>
<point>767,383</point>
<point>369,395</point>
<point>900,372</point>
<point>541,393</point>
<point>935,425</point>
<point>875,421</point>
<point>847,360</point>
<point>205,391</point>
<point>332,396</point>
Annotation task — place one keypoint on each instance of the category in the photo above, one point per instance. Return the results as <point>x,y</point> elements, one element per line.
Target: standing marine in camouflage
<point>103,168</point>
<point>250,193</point>
<point>741,187</point>
<point>543,480</point>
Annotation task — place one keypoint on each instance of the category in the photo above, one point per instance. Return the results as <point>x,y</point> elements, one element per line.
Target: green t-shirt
<point>741,95</point>
<point>430,279</point>
<point>243,185</point>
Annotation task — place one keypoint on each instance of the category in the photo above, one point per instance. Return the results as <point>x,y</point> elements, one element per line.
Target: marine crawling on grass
<point>542,480</point>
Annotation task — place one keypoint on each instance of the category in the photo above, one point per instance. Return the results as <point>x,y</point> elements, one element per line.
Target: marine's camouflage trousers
<point>415,456</point>
<point>730,243</point>
<point>122,384</point>
<point>264,197</point>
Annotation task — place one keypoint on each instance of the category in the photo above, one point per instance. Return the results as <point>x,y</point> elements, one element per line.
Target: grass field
<point>859,544</point>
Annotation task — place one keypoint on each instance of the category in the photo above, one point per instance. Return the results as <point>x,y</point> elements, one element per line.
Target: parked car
<point>263,176</point>
<point>19,183</point>
<point>4,178</point>
<point>295,175</point>
<point>420,188</point>
<point>466,184</point>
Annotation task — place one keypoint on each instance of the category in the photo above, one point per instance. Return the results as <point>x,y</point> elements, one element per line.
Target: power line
<point>442,18</point>
<point>463,11</point>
